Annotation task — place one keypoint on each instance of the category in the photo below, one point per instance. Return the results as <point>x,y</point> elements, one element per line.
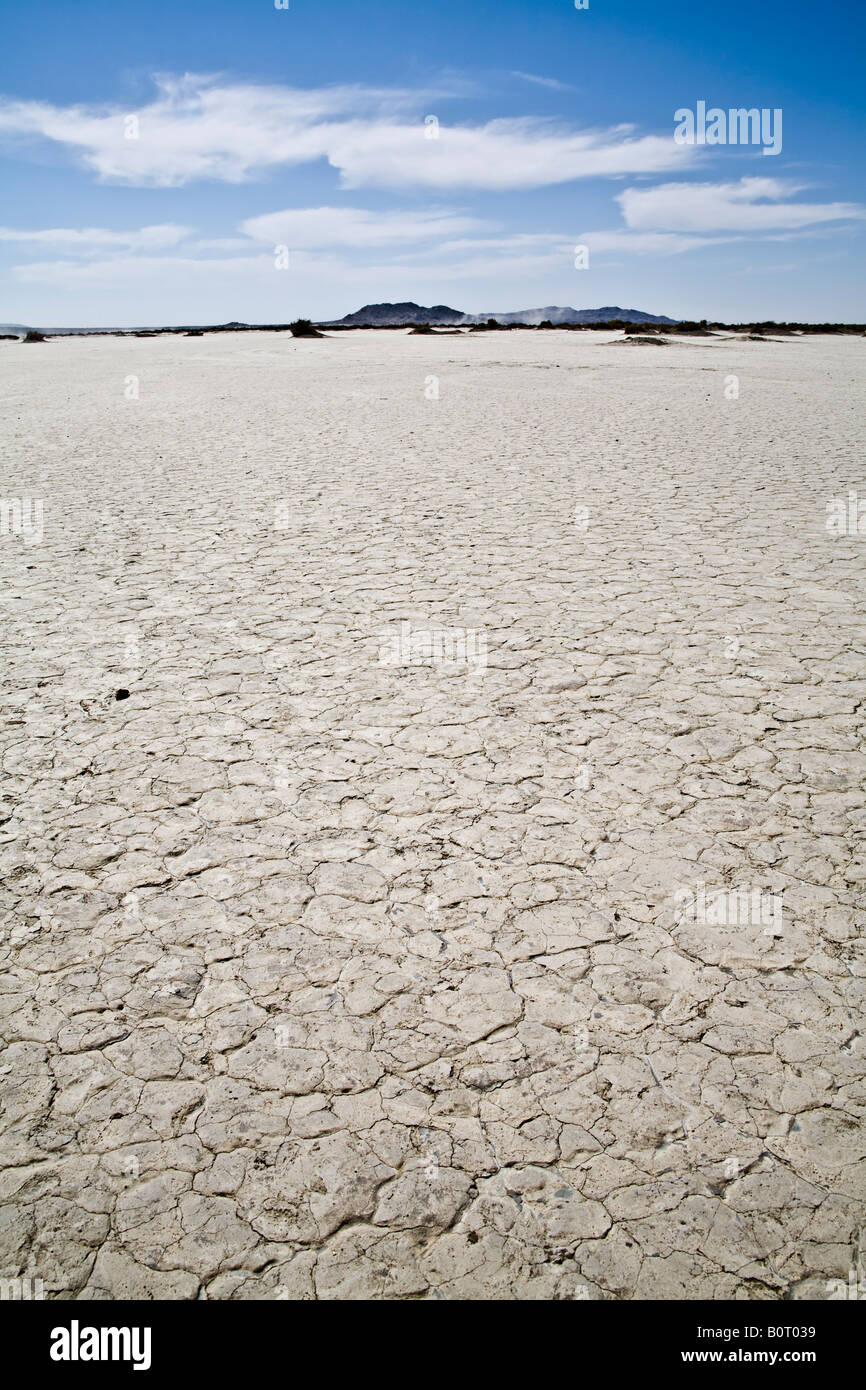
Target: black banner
<point>63,1339</point>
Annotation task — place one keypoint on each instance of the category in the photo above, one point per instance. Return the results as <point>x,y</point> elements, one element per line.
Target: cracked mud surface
<point>323,978</point>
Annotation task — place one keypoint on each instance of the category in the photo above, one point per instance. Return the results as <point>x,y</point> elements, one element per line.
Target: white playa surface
<point>330,977</point>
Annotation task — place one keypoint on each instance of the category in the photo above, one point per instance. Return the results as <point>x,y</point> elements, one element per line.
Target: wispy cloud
<point>357,227</point>
<point>90,239</point>
<point>121,272</point>
<point>750,205</point>
<point>552,82</point>
<point>647,243</point>
<point>355,245</point>
<point>312,272</point>
<point>343,243</point>
<point>675,217</point>
<point>203,128</point>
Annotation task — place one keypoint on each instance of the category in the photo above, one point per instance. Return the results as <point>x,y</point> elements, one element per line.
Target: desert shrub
<point>303,328</point>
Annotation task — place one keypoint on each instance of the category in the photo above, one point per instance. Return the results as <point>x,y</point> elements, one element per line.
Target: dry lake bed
<point>432,817</point>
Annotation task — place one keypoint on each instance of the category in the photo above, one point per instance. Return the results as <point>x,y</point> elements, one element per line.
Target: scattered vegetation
<point>303,328</point>
<point>769,326</point>
<point>692,329</point>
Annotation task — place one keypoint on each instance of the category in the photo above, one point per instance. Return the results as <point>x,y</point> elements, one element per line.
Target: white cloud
<point>514,153</point>
<point>516,265</point>
<point>751,205</point>
<point>223,243</point>
<point>200,128</point>
<point>552,82</point>
<point>515,241</point>
<point>124,271</point>
<point>518,256</point>
<point>97,238</point>
<point>358,227</point>
<point>647,243</point>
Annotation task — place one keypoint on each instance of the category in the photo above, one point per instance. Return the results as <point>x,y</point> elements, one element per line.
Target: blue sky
<point>156,158</point>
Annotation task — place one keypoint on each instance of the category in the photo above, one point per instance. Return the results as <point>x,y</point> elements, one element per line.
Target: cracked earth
<point>329,978</point>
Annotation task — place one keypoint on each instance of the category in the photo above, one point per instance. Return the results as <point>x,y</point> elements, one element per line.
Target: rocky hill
<point>393,315</point>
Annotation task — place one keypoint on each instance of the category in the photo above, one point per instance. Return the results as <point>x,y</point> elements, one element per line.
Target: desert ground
<point>345,959</point>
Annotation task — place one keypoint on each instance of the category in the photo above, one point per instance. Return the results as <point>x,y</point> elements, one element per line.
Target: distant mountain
<point>557,315</point>
<point>394,315</point>
<point>391,315</point>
